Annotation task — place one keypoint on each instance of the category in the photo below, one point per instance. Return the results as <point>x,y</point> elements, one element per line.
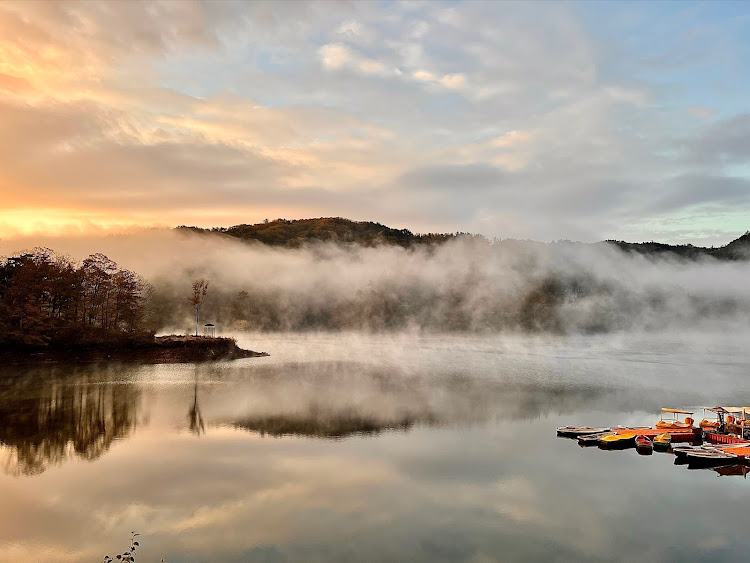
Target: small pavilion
<point>209,330</point>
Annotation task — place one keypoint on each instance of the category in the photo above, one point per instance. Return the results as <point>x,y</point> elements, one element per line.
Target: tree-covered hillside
<point>293,234</point>
<point>298,232</point>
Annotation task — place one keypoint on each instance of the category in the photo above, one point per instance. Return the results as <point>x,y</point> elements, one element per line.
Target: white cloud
<point>453,81</point>
<point>631,96</point>
<point>419,30</point>
<point>423,76</point>
<point>349,28</point>
<point>335,55</point>
<point>370,66</point>
<point>513,138</point>
<point>701,111</point>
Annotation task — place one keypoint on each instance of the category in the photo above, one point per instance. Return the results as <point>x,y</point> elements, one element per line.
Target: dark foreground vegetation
<point>52,309</point>
<point>48,301</point>
<point>150,350</point>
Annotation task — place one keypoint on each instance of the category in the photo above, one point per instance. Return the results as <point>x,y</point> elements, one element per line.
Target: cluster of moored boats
<point>722,438</point>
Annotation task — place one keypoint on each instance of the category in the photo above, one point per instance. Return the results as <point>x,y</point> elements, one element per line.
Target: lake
<point>347,447</point>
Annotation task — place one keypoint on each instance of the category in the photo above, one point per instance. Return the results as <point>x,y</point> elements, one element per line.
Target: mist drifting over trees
<point>462,285</point>
<point>331,280</point>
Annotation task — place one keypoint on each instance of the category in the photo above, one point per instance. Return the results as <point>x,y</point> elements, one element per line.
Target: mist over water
<point>463,285</point>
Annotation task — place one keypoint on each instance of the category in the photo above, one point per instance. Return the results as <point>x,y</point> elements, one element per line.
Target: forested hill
<point>296,233</point>
<point>738,249</point>
<point>293,234</point>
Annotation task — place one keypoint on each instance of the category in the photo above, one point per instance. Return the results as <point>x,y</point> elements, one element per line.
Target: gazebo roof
<point>208,324</point>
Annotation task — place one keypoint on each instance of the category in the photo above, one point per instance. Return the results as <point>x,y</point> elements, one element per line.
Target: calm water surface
<point>370,448</point>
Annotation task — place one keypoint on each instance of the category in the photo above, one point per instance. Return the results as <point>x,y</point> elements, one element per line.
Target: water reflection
<point>450,462</point>
<point>46,418</point>
<point>326,425</point>
<point>49,415</point>
<point>732,471</point>
<point>195,417</point>
<point>335,400</point>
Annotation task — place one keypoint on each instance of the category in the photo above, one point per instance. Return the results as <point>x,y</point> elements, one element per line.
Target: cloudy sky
<point>535,120</point>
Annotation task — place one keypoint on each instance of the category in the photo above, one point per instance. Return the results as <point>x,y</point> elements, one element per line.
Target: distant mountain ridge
<point>298,232</point>
<point>738,249</point>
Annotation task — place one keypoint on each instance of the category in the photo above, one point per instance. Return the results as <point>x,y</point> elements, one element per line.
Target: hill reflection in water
<point>336,400</point>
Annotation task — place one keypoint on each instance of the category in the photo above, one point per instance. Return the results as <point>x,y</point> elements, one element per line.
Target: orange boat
<point>677,435</point>
<point>679,431</point>
<point>717,423</point>
<point>738,421</point>
<point>675,424</point>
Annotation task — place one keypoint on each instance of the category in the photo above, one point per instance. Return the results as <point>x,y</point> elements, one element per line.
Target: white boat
<point>682,451</point>
<point>708,457</point>
<point>575,431</point>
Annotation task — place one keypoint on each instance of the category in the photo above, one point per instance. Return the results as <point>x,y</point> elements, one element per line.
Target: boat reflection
<point>736,470</point>
<point>732,470</point>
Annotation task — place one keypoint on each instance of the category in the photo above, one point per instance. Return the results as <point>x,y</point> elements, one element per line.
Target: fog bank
<point>462,285</point>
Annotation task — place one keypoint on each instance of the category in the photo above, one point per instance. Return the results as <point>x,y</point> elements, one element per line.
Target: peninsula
<point>53,310</point>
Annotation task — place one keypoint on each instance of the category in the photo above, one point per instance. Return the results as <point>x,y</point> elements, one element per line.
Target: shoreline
<point>170,349</point>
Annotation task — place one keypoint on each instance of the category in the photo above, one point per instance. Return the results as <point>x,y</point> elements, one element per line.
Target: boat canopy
<point>676,411</point>
<point>716,409</point>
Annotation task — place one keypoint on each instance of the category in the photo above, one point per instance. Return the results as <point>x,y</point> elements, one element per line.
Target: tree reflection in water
<point>195,418</point>
<point>46,418</point>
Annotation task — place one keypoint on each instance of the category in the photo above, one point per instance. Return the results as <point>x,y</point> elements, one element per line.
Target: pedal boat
<point>662,442</point>
<point>678,431</point>
<point>738,421</point>
<point>576,431</point>
<point>644,445</point>
<point>617,441</point>
<point>674,424</point>
<point>716,423</point>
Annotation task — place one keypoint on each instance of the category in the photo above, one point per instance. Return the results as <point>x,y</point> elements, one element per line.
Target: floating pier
<point>713,443</point>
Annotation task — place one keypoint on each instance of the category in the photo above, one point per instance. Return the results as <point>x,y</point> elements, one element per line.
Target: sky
<point>559,120</point>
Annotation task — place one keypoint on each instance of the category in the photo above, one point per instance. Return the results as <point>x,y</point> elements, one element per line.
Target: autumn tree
<point>200,287</point>
<point>47,299</point>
